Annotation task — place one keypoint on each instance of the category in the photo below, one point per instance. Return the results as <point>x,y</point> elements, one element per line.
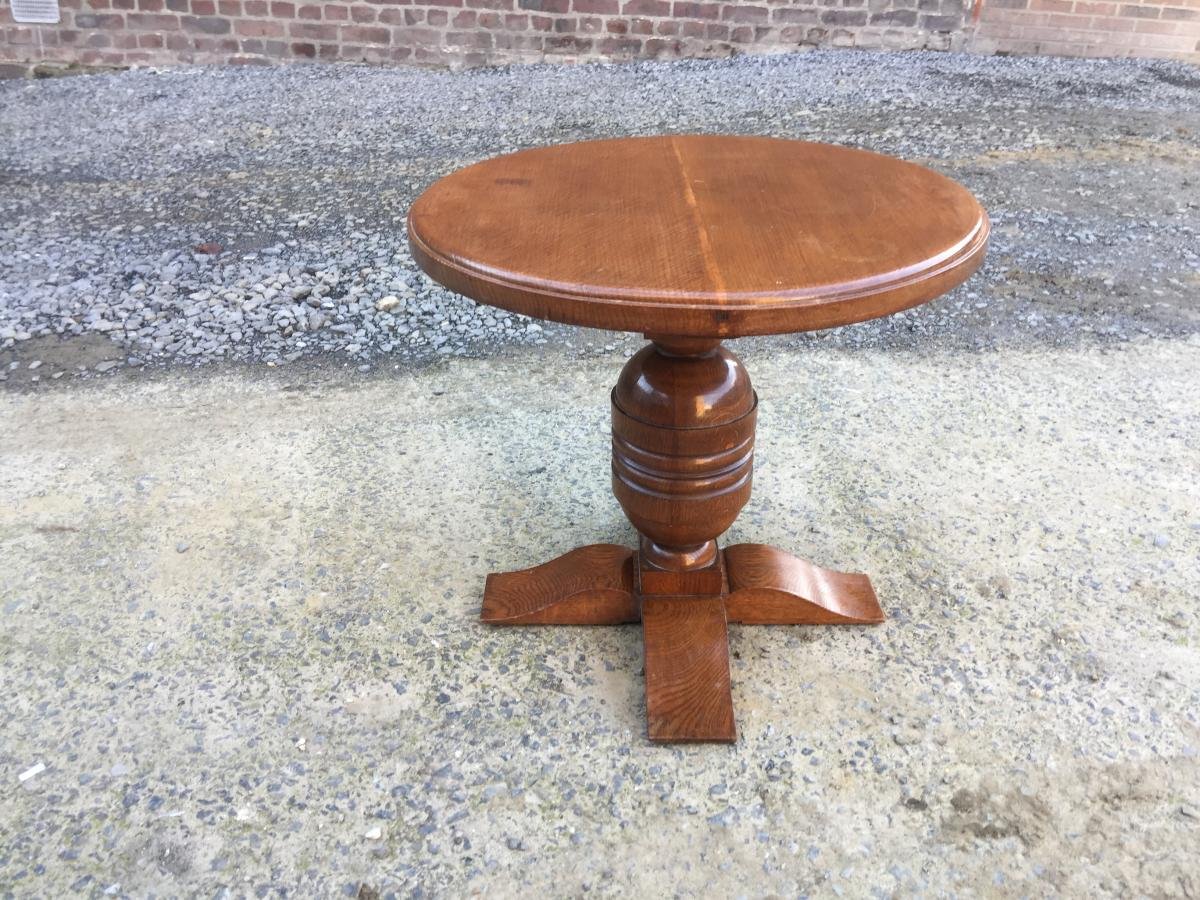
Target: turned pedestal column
<point>683,449</point>
<point>692,240</point>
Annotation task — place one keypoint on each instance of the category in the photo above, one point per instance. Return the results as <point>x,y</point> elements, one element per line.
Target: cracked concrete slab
<point>239,634</point>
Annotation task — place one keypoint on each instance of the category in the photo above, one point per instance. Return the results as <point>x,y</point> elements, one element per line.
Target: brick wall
<point>1169,28</point>
<point>465,32</point>
<point>479,32</point>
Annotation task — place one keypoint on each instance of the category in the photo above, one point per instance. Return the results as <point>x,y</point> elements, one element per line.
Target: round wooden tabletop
<point>702,236</point>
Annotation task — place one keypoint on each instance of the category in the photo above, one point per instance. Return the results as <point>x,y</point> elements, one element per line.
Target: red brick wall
<point>466,32</point>
<point>477,32</point>
<point>1169,28</point>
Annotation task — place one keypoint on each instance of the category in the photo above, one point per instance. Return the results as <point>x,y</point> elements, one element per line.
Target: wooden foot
<point>684,616</point>
<point>770,587</point>
<point>589,586</point>
<point>687,669</point>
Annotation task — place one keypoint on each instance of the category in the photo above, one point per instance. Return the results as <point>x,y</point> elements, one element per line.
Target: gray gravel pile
<point>198,214</point>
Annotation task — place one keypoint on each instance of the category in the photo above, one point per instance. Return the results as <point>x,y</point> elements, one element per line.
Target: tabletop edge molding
<point>556,302</point>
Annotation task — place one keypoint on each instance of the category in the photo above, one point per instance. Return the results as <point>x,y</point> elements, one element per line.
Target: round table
<point>690,240</point>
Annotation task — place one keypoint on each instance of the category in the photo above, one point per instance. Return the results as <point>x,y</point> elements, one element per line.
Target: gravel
<point>192,215</point>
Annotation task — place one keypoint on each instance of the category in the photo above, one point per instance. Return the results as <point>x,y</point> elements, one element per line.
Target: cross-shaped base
<point>683,615</point>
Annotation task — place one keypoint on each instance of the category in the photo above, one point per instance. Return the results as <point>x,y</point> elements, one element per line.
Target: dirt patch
<point>49,358</point>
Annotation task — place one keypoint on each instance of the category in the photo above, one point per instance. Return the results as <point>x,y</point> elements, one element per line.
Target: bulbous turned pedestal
<point>683,416</point>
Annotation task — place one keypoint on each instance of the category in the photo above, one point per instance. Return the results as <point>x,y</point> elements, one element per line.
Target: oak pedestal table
<point>691,240</point>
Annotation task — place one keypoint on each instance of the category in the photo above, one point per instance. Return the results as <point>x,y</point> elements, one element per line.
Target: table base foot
<point>770,587</point>
<point>688,696</point>
<point>684,617</point>
<point>591,585</point>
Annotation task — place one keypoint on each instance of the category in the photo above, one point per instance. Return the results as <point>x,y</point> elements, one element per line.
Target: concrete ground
<point>238,640</point>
